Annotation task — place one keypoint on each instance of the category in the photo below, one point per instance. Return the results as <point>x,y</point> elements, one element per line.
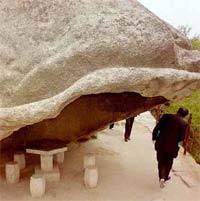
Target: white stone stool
<point>12,172</point>
<point>20,159</point>
<point>91,176</point>
<point>59,158</point>
<point>37,185</point>
<point>89,159</point>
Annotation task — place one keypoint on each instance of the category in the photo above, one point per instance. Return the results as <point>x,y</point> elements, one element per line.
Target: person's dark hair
<point>167,104</point>
<point>183,112</point>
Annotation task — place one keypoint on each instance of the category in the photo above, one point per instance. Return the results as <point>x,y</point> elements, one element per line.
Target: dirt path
<point>127,171</point>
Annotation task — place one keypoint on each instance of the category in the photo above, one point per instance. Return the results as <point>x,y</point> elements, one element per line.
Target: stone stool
<point>91,176</point>
<point>89,159</point>
<point>20,159</point>
<point>59,158</point>
<point>37,185</point>
<point>12,171</point>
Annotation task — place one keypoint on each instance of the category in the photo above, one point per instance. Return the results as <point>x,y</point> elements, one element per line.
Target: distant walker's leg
<point>111,126</point>
<point>128,128</point>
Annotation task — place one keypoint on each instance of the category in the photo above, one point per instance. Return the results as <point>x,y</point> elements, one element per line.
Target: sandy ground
<point>127,171</point>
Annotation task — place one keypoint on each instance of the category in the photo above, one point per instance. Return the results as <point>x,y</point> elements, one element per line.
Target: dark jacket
<point>169,131</point>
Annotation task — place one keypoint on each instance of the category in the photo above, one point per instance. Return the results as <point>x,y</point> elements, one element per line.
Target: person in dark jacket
<point>167,134</point>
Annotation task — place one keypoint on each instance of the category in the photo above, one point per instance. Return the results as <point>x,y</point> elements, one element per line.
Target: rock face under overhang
<point>53,52</point>
<point>84,116</point>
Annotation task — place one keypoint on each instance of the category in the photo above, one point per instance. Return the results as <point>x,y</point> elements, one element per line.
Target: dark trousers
<point>111,126</point>
<point>128,127</point>
<point>165,162</point>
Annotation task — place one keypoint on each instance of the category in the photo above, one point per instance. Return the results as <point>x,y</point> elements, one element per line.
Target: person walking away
<point>167,134</point>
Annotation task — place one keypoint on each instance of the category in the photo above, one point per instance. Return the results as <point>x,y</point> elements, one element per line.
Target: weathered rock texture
<point>54,52</point>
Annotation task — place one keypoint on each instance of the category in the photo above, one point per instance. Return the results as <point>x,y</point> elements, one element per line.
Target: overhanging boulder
<point>55,52</point>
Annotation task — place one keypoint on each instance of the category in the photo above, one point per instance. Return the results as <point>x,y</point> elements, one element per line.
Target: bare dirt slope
<point>127,171</point>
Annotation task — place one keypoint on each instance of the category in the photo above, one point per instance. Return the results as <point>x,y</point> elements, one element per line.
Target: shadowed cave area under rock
<point>83,117</point>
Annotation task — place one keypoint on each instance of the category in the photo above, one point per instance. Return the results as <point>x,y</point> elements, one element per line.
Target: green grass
<point>195,43</point>
<point>193,105</point>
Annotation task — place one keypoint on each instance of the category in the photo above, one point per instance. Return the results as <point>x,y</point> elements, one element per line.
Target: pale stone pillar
<point>59,158</point>
<point>20,159</point>
<point>12,172</point>
<point>89,159</point>
<point>91,176</point>
<point>37,185</point>
<point>46,162</point>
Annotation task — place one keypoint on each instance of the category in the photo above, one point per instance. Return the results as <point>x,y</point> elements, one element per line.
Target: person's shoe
<point>129,138</point>
<point>126,139</point>
<point>162,183</point>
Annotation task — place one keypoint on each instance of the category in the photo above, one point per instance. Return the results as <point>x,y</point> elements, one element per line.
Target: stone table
<point>46,157</point>
<point>47,149</point>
